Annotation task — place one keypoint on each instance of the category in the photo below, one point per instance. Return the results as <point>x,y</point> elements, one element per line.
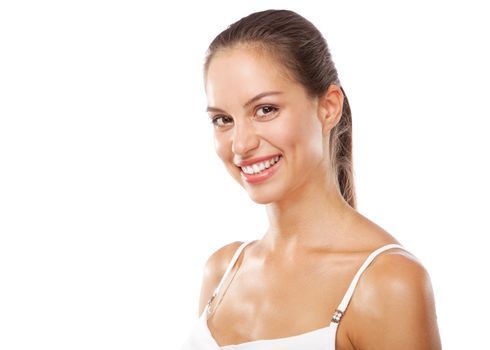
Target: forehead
<point>236,74</point>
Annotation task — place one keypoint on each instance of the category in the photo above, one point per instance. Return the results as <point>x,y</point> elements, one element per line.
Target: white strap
<point>230,266</point>
<point>345,301</point>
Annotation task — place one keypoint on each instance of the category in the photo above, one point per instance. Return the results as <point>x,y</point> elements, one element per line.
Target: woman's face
<point>258,112</point>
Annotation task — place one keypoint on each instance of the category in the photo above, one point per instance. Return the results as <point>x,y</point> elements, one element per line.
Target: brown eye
<point>266,111</point>
<point>220,120</point>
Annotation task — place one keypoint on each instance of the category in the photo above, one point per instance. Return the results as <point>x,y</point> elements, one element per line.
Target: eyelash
<point>215,118</point>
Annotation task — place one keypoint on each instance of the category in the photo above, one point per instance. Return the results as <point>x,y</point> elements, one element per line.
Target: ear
<point>330,107</point>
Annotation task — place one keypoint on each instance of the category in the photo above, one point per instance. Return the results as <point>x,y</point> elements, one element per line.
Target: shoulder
<point>396,270</point>
<point>394,305</point>
<point>218,261</point>
<point>214,270</point>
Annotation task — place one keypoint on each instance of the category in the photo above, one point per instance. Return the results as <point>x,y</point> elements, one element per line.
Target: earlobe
<point>330,121</point>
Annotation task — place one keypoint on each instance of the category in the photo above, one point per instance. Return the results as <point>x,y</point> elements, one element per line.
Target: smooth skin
<point>292,279</point>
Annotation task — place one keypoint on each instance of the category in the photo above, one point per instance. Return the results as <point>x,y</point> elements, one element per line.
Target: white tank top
<point>200,337</point>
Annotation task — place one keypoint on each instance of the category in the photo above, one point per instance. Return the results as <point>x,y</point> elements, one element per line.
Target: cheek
<point>303,137</point>
<point>221,146</point>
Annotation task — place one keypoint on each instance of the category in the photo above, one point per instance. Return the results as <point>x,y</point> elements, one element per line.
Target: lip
<point>262,176</point>
<point>255,160</point>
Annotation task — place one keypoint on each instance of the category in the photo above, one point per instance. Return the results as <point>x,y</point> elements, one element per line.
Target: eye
<point>267,111</point>
<point>220,120</point>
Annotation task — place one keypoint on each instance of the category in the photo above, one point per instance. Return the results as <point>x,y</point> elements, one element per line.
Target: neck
<point>314,215</point>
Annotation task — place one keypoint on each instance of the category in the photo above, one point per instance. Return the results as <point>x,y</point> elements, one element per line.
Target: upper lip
<point>250,161</point>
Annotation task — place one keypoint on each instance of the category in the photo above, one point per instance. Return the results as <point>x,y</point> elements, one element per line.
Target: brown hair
<point>297,44</point>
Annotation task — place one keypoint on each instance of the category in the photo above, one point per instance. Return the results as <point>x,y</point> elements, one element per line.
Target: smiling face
<point>259,112</point>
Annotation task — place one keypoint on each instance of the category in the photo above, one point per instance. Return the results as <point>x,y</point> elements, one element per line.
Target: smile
<point>257,168</point>
<point>261,171</point>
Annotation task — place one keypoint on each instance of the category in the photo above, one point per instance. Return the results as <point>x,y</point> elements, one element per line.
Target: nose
<point>245,138</point>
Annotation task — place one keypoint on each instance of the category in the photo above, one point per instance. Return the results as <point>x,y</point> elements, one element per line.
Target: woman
<point>282,127</point>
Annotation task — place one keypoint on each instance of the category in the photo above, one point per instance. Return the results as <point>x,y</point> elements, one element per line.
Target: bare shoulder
<point>396,268</point>
<point>394,305</point>
<point>213,271</point>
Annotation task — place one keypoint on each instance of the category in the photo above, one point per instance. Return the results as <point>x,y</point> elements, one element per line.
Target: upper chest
<point>267,298</point>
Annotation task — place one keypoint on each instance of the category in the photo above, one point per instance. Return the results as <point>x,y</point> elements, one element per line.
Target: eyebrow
<point>252,100</point>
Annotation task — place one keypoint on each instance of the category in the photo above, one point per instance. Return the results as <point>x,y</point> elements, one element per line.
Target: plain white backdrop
<point>112,197</point>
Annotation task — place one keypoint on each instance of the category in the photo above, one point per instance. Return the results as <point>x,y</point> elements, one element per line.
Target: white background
<point>111,195</point>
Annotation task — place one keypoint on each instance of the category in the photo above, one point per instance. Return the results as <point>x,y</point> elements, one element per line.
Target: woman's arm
<point>394,307</point>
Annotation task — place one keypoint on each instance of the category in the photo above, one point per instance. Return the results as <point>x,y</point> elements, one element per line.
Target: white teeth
<point>248,170</point>
<point>258,167</point>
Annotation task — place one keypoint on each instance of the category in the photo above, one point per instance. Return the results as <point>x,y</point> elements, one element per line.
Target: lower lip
<point>262,176</point>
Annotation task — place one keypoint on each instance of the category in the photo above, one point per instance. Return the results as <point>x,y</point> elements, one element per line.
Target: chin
<point>263,194</point>
<point>262,199</point>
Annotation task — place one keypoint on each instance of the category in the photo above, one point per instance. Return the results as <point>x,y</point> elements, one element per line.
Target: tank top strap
<point>233,260</point>
<point>348,295</point>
